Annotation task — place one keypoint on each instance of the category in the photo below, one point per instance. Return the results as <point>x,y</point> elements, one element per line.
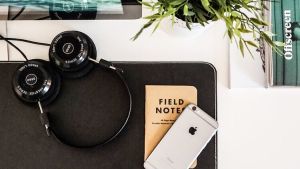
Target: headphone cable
<point>19,13</point>
<point>13,45</point>
<point>25,40</point>
<point>8,40</point>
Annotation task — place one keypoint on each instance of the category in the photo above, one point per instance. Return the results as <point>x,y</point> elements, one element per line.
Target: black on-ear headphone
<point>72,54</point>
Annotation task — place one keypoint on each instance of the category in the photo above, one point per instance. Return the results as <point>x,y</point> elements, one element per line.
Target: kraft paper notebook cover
<point>163,106</point>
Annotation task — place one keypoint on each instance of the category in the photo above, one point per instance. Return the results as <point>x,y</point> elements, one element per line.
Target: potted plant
<point>241,17</point>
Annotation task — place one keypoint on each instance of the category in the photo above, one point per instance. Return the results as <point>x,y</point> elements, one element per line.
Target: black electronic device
<point>72,54</point>
<point>71,10</point>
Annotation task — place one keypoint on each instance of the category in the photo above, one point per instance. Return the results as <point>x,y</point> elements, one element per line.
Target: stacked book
<point>284,69</point>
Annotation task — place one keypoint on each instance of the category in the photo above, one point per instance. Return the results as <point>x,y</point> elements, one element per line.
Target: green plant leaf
<point>154,16</point>
<point>251,43</point>
<point>267,38</point>
<point>230,34</point>
<point>206,5</point>
<point>177,2</point>
<point>241,46</point>
<point>156,26</point>
<point>185,10</point>
<point>244,30</point>
<point>258,22</point>
<point>145,3</point>
<point>279,44</point>
<point>236,14</point>
<point>237,33</point>
<point>145,26</point>
<point>191,13</point>
<point>188,24</point>
<point>269,33</point>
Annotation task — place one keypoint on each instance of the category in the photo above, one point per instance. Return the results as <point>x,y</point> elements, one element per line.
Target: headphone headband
<point>73,53</point>
<point>50,131</point>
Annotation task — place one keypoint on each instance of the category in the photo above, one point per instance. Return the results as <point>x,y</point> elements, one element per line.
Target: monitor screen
<point>69,9</point>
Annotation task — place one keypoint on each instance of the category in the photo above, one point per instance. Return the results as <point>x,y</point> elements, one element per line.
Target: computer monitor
<point>71,10</point>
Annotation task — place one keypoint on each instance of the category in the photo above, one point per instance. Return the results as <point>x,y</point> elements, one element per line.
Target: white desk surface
<point>259,128</point>
<point>3,44</point>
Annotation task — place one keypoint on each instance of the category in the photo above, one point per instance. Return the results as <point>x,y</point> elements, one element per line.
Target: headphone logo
<point>68,48</point>
<point>31,79</point>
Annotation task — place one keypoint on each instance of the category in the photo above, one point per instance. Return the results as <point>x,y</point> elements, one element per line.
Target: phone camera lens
<point>194,108</point>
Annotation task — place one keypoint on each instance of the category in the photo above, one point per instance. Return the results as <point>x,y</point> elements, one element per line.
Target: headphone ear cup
<point>69,52</point>
<point>79,73</point>
<point>34,81</point>
<point>92,46</point>
<point>54,91</point>
<point>84,70</point>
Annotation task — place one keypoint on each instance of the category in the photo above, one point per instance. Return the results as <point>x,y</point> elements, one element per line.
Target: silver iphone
<point>184,141</point>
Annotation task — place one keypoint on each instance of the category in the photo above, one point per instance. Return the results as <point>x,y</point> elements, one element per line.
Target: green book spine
<point>297,7</point>
<point>279,66</point>
<point>290,51</point>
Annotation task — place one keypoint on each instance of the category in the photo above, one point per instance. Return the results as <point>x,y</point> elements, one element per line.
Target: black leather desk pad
<point>90,108</point>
